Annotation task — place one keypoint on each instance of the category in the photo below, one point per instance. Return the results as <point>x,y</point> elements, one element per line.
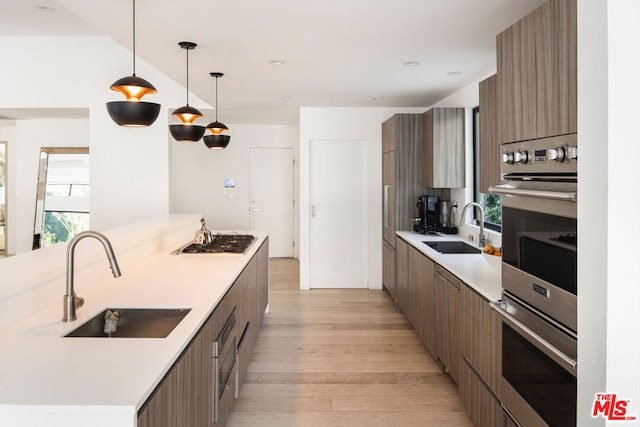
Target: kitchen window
<point>491,203</point>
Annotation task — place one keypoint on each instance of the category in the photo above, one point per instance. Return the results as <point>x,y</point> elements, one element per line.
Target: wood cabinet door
<point>481,404</point>
<point>427,137</point>
<point>195,381</point>
<point>389,139</point>
<point>516,68</point>
<point>489,138</point>
<point>402,277</point>
<point>389,271</point>
<point>262,283</point>
<point>448,320</point>
<point>556,67</point>
<point>480,345</point>
<point>161,409</point>
<point>389,197</point>
<point>422,291</point>
<point>448,148</point>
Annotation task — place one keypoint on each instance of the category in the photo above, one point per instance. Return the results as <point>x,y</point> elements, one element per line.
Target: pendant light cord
<point>134,37</point>
<point>216,98</point>
<point>187,49</point>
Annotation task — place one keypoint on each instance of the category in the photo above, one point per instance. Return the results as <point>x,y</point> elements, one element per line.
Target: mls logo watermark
<point>611,408</point>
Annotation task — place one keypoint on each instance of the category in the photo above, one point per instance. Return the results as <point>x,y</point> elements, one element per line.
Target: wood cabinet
<point>401,186</point>
<point>480,367</point>
<point>402,279</point>
<point>389,270</point>
<point>185,396</point>
<point>389,197</point>
<point>537,69</point>
<point>448,320</point>
<point>422,291</point>
<point>489,134</point>
<point>481,404</point>
<point>443,136</point>
<point>161,409</point>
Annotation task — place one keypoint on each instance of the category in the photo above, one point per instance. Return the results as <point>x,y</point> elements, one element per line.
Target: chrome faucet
<point>71,300</point>
<point>481,237</point>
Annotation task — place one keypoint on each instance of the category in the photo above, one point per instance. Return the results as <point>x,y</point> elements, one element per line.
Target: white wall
<point>197,175</point>
<point>363,124</point>
<point>608,272</point>
<point>129,166</point>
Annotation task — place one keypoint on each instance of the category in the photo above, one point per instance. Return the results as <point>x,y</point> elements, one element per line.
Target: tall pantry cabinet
<point>402,171</point>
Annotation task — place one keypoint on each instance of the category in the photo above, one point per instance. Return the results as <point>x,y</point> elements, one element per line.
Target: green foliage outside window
<point>62,226</point>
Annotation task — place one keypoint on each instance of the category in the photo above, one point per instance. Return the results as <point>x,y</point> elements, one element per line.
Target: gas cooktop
<point>222,243</point>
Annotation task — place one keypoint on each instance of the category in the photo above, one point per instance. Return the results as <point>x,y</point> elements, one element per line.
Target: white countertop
<point>481,272</point>
<point>46,379</point>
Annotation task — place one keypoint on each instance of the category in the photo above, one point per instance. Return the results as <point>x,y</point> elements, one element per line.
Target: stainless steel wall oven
<point>539,280</point>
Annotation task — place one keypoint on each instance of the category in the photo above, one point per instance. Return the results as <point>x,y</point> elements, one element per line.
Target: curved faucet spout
<point>481,237</point>
<point>71,301</point>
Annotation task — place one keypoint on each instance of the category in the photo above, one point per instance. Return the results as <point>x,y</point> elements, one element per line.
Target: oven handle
<point>569,196</point>
<point>546,347</point>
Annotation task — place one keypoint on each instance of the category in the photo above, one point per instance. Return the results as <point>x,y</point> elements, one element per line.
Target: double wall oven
<point>539,280</point>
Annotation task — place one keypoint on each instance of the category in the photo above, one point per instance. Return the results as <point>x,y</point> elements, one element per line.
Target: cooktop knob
<point>507,157</point>
<point>557,154</point>
<point>572,153</point>
<point>521,157</point>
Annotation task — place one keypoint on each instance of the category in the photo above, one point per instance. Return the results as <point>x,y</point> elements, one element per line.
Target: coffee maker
<point>428,214</point>
<point>434,215</point>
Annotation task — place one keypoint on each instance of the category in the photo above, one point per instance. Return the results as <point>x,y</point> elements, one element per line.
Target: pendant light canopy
<point>216,141</point>
<point>187,131</point>
<point>133,112</point>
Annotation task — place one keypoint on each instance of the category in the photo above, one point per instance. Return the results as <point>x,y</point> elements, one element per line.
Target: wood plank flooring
<point>340,357</point>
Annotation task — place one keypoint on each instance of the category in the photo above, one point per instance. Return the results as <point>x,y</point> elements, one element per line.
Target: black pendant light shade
<point>216,141</point>
<point>187,131</point>
<point>133,112</point>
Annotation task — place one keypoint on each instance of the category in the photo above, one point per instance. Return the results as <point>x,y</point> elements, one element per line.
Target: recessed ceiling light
<point>46,9</point>
<point>411,63</point>
<point>377,98</point>
<point>276,62</point>
<point>454,73</point>
<point>285,98</point>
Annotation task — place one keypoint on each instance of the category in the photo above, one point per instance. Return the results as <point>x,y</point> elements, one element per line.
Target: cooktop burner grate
<point>222,243</point>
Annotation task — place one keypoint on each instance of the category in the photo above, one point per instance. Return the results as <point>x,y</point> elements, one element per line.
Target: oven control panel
<point>553,155</point>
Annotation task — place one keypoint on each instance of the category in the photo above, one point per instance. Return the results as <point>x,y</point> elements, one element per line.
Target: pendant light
<point>133,112</point>
<point>216,141</point>
<point>187,131</point>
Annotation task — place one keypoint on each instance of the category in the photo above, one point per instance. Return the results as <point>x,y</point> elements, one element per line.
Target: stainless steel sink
<point>133,323</point>
<point>453,247</point>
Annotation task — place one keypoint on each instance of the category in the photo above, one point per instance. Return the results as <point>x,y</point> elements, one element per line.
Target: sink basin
<point>453,247</point>
<point>133,323</point>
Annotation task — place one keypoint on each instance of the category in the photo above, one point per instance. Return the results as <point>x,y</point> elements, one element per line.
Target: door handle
<point>313,211</point>
<point>256,209</point>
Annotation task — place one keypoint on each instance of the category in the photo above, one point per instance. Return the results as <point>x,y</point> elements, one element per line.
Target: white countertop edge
<point>481,272</point>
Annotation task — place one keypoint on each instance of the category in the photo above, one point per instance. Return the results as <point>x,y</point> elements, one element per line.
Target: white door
<point>338,196</point>
<point>271,202</point>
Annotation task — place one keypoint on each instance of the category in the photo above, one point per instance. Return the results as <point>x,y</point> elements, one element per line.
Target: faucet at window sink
<point>481,237</point>
<point>71,300</point>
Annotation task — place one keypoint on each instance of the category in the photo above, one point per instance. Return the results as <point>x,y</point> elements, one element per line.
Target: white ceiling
<point>336,53</point>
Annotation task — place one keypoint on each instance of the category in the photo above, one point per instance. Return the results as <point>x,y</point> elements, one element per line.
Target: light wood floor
<point>340,358</point>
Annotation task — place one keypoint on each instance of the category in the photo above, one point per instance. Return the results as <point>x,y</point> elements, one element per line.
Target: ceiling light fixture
<point>133,112</point>
<point>187,131</point>
<point>454,73</point>
<point>216,141</point>
<point>46,9</point>
<point>276,62</point>
<point>411,63</point>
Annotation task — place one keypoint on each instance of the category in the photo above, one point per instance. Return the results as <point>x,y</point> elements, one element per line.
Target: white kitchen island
<point>49,380</point>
